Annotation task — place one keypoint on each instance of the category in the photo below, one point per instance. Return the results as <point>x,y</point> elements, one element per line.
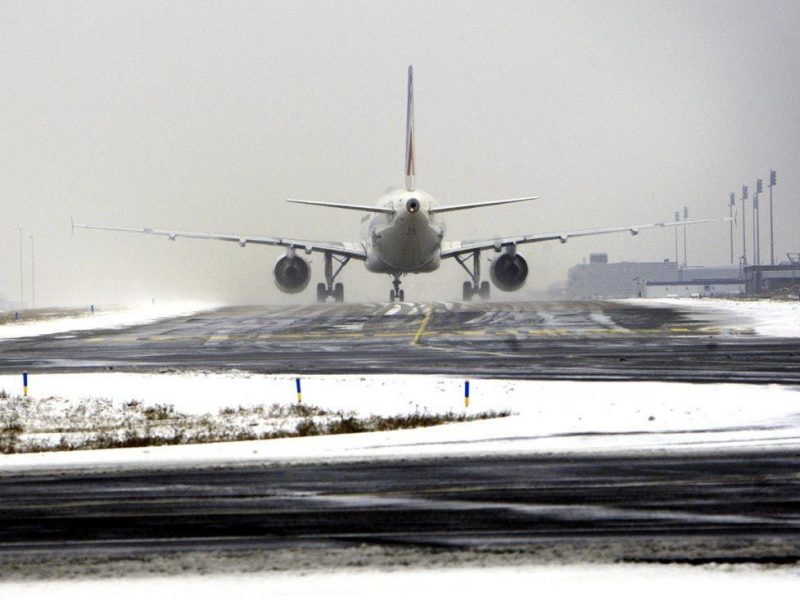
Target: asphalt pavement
<point>729,507</point>
<point>716,507</point>
<point>533,340</point>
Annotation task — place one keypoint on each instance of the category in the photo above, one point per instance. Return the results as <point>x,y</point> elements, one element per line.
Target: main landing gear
<point>329,289</point>
<point>476,287</point>
<point>396,294</point>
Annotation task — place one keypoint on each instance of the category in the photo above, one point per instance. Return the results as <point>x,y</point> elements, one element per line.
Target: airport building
<point>698,288</point>
<point>774,279</point>
<point>598,279</point>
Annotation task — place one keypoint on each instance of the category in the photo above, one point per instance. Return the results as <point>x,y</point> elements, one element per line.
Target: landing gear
<point>476,287</point>
<point>467,294</point>
<point>329,289</point>
<point>397,295</point>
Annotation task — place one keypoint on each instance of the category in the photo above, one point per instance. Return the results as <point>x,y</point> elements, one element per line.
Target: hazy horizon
<point>206,117</point>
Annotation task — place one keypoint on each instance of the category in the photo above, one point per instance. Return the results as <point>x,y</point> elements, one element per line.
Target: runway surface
<point>537,340</point>
<point>694,508</point>
<point>728,507</point>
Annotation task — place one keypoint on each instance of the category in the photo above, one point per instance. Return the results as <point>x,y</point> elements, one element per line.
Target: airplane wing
<point>462,247</point>
<point>350,250</point>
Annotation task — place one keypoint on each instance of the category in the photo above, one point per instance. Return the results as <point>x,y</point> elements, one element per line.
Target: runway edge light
<point>25,383</point>
<point>466,393</point>
<point>299,391</point>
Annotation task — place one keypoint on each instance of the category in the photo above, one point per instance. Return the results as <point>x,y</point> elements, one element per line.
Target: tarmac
<point>533,340</point>
<point>698,508</point>
<point>715,507</point>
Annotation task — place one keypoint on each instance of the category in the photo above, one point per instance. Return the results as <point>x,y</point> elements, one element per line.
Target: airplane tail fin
<point>410,132</point>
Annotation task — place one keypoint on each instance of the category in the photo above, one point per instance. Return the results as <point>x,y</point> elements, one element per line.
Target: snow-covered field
<point>548,416</point>
<point>766,317</point>
<point>568,581</point>
<point>105,319</point>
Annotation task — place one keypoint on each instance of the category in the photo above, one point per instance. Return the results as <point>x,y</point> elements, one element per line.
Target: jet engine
<point>508,271</point>
<point>292,273</point>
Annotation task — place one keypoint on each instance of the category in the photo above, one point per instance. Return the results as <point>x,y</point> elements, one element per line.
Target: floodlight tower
<point>730,206</point>
<point>773,179</point>
<point>33,277</point>
<point>744,227</point>
<point>757,222</point>
<point>685,218</point>
<point>677,219</point>
<point>21,296</point>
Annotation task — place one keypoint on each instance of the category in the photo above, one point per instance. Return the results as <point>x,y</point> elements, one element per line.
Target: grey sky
<point>206,116</point>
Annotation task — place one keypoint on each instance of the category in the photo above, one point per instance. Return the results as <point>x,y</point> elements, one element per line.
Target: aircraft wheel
<point>401,296</point>
<point>467,294</point>
<point>338,292</point>
<point>484,290</point>
<point>322,292</point>
<point>391,295</point>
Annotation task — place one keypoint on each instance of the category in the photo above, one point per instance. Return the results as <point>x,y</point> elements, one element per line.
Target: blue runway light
<point>299,391</point>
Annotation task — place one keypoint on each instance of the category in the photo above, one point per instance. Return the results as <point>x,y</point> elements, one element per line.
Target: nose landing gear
<point>397,295</point>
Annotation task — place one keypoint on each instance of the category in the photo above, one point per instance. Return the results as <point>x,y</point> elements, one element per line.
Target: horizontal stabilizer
<point>441,209</point>
<point>375,209</point>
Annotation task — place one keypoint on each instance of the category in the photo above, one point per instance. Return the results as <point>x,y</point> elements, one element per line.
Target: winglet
<point>72,226</point>
<point>410,185</point>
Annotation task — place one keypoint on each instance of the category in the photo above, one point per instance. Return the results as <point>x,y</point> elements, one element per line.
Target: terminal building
<point>771,280</point>
<point>599,279</point>
<point>696,288</point>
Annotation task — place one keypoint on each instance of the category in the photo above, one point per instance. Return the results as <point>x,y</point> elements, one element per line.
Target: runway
<point>723,507</point>
<point>695,508</point>
<point>535,340</point>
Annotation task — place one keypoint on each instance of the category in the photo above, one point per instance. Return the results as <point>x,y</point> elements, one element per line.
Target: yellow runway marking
<point>421,329</point>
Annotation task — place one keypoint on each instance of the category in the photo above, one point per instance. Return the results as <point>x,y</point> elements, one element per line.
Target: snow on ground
<point>568,581</point>
<point>767,317</point>
<point>106,319</point>
<point>549,416</point>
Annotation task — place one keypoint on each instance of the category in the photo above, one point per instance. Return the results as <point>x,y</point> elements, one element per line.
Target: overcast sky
<point>205,116</point>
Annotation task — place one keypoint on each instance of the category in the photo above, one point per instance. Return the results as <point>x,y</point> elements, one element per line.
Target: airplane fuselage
<point>407,241</point>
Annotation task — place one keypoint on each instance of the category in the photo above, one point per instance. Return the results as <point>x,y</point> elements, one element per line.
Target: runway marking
<point>423,324</point>
<point>421,331</point>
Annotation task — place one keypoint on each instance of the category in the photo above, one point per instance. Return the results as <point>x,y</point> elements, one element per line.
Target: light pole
<point>685,256</point>
<point>773,179</point>
<point>757,216</point>
<point>677,219</point>
<point>730,206</point>
<point>755,229</point>
<point>33,277</point>
<point>21,296</point>
<point>744,227</point>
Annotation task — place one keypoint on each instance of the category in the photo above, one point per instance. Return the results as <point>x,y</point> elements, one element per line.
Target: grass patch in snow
<point>54,424</point>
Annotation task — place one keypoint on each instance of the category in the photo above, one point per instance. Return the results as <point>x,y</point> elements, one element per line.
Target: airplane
<point>402,234</point>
